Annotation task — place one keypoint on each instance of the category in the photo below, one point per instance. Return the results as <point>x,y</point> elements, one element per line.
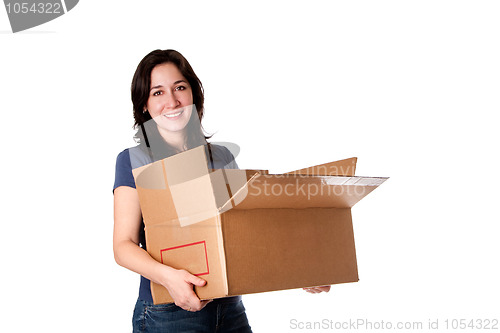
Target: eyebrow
<point>159,86</point>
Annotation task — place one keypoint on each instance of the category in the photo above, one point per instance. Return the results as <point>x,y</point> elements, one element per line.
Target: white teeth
<point>172,115</point>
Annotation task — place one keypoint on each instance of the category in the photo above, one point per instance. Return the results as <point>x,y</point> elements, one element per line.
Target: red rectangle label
<point>176,257</point>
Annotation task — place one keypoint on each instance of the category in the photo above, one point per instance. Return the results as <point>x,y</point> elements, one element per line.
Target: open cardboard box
<point>247,231</point>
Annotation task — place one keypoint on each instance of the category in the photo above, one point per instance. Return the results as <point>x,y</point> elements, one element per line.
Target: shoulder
<point>123,171</point>
<point>138,157</point>
<point>222,153</point>
<point>133,157</point>
<point>123,158</point>
<point>129,159</point>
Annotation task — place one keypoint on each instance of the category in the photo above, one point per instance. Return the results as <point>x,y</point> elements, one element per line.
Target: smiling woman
<point>168,107</point>
<point>170,103</point>
<point>166,89</point>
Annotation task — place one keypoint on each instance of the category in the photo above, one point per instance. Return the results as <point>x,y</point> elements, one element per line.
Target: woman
<point>167,99</point>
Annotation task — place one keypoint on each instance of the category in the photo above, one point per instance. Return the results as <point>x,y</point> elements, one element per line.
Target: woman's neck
<point>176,140</point>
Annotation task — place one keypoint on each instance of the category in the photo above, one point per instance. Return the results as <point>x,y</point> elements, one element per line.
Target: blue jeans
<point>214,317</point>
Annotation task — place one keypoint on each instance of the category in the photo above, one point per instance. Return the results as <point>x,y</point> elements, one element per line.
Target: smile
<point>174,115</point>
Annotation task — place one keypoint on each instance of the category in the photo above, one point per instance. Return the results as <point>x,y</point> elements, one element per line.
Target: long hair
<point>147,134</point>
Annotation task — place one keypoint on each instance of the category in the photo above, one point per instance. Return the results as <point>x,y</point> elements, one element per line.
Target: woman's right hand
<point>179,284</point>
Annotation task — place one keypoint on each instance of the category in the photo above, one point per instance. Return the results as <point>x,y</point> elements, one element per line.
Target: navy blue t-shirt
<point>136,157</point>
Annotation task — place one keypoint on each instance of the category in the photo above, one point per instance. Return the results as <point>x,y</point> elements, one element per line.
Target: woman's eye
<point>180,88</point>
<point>156,93</point>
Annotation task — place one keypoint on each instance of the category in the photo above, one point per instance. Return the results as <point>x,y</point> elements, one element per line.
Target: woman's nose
<point>171,100</point>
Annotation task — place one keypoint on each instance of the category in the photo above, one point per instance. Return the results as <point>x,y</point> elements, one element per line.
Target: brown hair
<point>141,84</point>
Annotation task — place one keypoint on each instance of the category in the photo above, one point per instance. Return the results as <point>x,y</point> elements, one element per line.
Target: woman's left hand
<point>317,290</point>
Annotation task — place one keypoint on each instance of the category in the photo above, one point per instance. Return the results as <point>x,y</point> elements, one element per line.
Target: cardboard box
<point>247,231</point>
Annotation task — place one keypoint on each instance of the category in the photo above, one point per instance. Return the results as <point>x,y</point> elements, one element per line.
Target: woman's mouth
<point>174,115</point>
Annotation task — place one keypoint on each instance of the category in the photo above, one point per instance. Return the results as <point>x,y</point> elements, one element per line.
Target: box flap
<point>179,187</point>
<point>237,182</point>
<point>150,176</point>
<point>300,191</point>
<point>184,189</point>
<point>199,194</point>
<point>345,167</point>
<point>154,194</point>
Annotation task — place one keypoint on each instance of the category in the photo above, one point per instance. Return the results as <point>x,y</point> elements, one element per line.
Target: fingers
<point>188,300</point>
<point>205,302</point>
<point>190,303</point>
<point>312,290</point>
<point>196,305</point>
<point>317,290</point>
<point>193,279</point>
<point>323,288</point>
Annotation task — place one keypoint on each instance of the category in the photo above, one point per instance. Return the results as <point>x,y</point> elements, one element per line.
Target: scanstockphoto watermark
<point>355,324</point>
<point>364,324</point>
<point>307,187</point>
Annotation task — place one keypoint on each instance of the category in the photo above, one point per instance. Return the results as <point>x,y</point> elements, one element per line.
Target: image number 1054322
<point>36,7</point>
<point>28,14</point>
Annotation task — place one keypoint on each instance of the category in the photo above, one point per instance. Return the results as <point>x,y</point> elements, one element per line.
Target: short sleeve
<point>123,172</point>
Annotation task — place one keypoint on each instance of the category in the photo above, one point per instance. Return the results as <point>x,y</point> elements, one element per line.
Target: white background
<point>409,87</point>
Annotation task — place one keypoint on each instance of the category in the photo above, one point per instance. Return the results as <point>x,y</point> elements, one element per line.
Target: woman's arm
<point>127,217</point>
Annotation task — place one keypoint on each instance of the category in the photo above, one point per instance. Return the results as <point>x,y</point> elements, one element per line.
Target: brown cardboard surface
<point>274,249</point>
<point>202,260</point>
<point>154,194</point>
<point>247,231</point>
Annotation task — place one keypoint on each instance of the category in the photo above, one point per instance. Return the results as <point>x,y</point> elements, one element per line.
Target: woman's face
<point>170,101</point>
